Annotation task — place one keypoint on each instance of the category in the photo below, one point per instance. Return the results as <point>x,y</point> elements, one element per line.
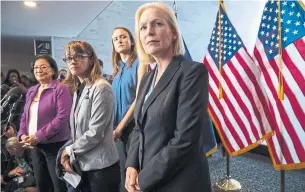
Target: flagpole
<point>280,89</point>
<point>227,183</point>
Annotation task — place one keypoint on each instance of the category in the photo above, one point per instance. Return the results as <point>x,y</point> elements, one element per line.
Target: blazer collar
<point>35,88</point>
<point>161,85</point>
<point>84,95</point>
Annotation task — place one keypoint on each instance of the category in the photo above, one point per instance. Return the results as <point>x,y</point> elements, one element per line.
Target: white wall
<point>196,20</point>
<point>59,50</point>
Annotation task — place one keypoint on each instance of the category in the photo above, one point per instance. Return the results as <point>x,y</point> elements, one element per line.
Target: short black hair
<point>7,79</point>
<point>51,62</point>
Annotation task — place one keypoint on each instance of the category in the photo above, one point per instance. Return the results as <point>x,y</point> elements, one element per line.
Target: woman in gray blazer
<point>166,148</point>
<point>91,121</point>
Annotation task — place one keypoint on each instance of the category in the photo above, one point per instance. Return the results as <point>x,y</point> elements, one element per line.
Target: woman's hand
<point>23,137</point>
<point>117,133</point>
<point>29,140</point>
<point>131,182</point>
<point>65,161</point>
<point>16,172</point>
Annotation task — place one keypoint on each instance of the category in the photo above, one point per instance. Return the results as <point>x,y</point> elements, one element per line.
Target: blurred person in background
<point>18,173</point>
<point>13,79</point>
<point>62,75</point>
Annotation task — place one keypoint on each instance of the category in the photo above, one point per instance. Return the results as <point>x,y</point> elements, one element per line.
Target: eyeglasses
<point>76,57</point>
<point>41,67</point>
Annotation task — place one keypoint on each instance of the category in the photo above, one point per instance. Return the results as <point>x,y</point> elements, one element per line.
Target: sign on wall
<point>42,47</point>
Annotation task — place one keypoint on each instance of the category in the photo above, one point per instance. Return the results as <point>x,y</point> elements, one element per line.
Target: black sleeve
<point>10,166</point>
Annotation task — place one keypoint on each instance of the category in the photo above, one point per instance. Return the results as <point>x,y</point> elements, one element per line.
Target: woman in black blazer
<point>165,153</point>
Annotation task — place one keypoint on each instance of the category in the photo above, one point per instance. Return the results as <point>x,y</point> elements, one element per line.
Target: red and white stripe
<point>287,146</point>
<point>241,116</point>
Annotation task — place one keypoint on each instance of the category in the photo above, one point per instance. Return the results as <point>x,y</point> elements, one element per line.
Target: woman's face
<point>78,63</point>
<point>121,41</point>
<point>155,33</point>
<point>42,71</point>
<point>13,78</point>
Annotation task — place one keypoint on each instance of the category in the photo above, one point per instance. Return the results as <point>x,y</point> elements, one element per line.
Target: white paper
<point>73,179</point>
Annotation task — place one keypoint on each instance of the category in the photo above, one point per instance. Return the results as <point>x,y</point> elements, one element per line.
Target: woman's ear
<point>174,35</point>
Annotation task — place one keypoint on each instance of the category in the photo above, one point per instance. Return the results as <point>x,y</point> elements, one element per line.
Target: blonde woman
<point>165,152</point>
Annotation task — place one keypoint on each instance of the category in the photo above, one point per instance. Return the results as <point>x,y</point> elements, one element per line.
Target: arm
<point>64,104</point>
<point>132,162</point>
<point>9,170</point>
<point>129,114</point>
<point>133,156</point>
<point>175,156</point>
<point>101,119</point>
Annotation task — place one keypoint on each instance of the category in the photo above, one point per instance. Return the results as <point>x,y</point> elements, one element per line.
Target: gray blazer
<point>91,124</point>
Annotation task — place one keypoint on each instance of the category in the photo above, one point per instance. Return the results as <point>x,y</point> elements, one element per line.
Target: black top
<point>79,92</point>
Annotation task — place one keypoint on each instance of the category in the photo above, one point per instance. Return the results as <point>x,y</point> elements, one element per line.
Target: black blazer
<point>166,144</point>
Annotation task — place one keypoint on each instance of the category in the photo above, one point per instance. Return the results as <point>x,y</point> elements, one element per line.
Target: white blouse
<point>33,118</point>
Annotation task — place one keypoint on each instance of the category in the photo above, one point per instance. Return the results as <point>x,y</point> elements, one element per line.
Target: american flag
<point>208,135</point>
<point>287,146</point>
<point>241,116</point>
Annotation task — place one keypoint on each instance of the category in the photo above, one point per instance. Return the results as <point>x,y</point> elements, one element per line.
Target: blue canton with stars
<point>292,24</point>
<point>230,41</point>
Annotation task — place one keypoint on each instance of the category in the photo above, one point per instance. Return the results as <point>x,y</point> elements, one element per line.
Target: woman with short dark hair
<point>44,124</point>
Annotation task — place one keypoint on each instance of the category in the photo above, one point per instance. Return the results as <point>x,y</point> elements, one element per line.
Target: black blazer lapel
<point>163,82</point>
<point>142,93</point>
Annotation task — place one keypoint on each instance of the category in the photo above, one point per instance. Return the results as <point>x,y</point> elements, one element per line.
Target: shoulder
<point>60,87</point>
<point>32,88</point>
<point>101,84</point>
<point>147,75</point>
<point>101,91</point>
<point>188,66</point>
<point>135,64</point>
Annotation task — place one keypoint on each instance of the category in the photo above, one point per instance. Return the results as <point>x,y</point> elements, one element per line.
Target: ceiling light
<point>30,3</point>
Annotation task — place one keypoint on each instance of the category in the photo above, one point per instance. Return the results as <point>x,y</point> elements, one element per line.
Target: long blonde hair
<point>178,45</point>
<point>115,57</point>
<point>94,73</point>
